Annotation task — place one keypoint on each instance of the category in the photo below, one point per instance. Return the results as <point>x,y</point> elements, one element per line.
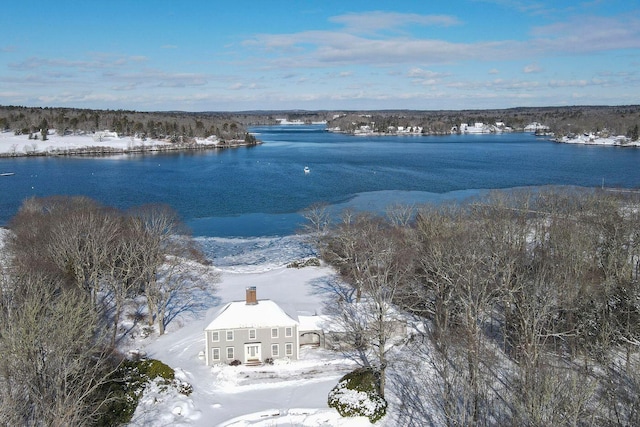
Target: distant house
<point>478,127</point>
<point>536,127</point>
<point>251,331</point>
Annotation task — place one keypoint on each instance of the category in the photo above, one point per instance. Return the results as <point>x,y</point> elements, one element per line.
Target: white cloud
<point>532,68</point>
<point>313,49</point>
<point>425,77</point>
<point>99,62</point>
<point>242,86</point>
<point>420,73</point>
<point>578,83</point>
<point>583,34</point>
<point>330,48</point>
<point>372,22</point>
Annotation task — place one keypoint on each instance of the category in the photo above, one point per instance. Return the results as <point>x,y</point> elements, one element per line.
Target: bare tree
<point>125,271</point>
<point>52,354</point>
<point>318,222</point>
<point>454,295</point>
<point>82,240</point>
<point>173,265</point>
<point>344,248</point>
<point>368,316</point>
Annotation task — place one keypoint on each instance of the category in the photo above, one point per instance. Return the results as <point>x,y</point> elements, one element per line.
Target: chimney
<point>252,299</point>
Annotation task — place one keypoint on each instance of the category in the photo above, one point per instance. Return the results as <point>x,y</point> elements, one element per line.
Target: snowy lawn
<point>283,394</point>
<point>21,144</point>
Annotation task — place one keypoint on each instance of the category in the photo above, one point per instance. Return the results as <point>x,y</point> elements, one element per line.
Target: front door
<point>252,353</point>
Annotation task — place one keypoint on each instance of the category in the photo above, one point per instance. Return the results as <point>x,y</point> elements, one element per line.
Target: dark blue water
<point>258,191</point>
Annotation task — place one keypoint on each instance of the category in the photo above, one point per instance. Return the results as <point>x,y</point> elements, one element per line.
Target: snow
<point>290,393</point>
<point>316,323</point>
<point>21,145</point>
<point>239,314</point>
<point>591,139</point>
<point>355,399</point>
<point>536,127</point>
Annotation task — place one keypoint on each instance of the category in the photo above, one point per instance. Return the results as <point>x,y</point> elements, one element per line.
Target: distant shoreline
<point>85,145</point>
<point>591,139</point>
<point>110,151</point>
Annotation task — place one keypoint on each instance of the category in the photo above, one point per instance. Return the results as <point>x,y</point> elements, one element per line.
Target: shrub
<point>356,394</point>
<point>184,388</point>
<point>147,331</point>
<point>127,384</point>
<point>235,362</point>
<point>310,262</point>
<point>152,369</point>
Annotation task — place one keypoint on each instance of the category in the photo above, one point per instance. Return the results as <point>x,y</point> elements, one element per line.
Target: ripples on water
<point>236,197</point>
<point>254,255</point>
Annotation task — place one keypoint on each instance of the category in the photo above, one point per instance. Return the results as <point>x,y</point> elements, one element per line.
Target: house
<point>478,127</point>
<point>251,331</point>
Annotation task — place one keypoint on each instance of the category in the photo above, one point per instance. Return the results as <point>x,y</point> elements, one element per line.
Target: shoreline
<point>18,146</point>
<point>590,139</point>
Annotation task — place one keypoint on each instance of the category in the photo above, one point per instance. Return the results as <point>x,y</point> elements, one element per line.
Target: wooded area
<point>522,308</point>
<point>616,120</point>
<point>612,120</point>
<point>173,126</point>
<point>71,270</point>
<point>525,306</point>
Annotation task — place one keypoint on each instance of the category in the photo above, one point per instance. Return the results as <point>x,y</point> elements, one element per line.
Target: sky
<point>238,55</point>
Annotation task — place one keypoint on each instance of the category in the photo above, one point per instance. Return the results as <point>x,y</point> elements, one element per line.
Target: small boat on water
<point>7,173</point>
<point>306,169</point>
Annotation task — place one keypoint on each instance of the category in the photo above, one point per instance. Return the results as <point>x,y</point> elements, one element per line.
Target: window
<point>252,334</point>
<point>230,354</point>
<point>275,350</point>
<point>215,336</point>
<point>288,349</point>
<point>288,332</point>
<point>215,353</point>
<point>229,335</point>
<point>274,332</point>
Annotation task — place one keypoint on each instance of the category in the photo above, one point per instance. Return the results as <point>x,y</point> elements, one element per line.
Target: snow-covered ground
<point>591,139</point>
<point>21,145</point>
<point>289,394</point>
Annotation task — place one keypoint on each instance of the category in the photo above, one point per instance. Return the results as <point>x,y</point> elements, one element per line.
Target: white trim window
<point>215,354</point>
<point>252,334</point>
<point>288,331</point>
<point>274,332</point>
<point>215,336</point>
<point>229,335</point>
<point>230,353</point>
<point>275,350</point>
<point>288,349</point>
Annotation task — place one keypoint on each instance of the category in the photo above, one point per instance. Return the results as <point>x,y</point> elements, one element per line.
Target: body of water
<point>259,191</point>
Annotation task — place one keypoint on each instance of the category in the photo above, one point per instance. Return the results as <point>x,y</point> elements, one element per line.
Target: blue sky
<point>254,55</point>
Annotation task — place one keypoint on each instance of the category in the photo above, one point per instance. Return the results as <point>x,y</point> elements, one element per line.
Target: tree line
<point>71,270</point>
<point>615,120</point>
<point>174,126</point>
<point>524,307</point>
